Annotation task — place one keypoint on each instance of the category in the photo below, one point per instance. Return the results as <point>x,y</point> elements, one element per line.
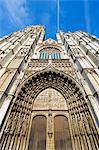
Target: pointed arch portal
<point>17,131</point>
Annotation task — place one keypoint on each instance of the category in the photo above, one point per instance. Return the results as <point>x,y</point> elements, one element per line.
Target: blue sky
<point>74,15</point>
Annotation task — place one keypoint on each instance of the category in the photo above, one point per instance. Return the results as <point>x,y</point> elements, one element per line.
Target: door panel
<point>62,133</point>
<point>38,134</point>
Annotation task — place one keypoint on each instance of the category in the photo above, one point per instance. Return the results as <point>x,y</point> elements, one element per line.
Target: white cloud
<point>17,11</point>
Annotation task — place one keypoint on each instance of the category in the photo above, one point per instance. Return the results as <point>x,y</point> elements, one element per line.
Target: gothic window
<point>52,53</point>
<point>38,133</point>
<point>62,133</point>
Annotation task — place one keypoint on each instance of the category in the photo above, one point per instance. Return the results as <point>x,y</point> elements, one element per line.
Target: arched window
<point>50,51</point>
<point>38,134</point>
<point>62,133</point>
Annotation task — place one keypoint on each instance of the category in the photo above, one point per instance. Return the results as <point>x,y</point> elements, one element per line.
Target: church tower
<point>49,91</point>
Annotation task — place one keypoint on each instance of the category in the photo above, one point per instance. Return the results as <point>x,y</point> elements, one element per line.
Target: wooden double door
<point>40,133</point>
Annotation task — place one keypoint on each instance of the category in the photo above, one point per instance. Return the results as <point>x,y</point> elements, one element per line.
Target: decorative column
<point>50,125</point>
<point>50,132</point>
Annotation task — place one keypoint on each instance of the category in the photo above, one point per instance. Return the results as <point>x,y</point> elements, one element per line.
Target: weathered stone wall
<point>30,86</point>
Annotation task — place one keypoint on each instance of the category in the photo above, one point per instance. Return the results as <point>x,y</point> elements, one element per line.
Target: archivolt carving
<point>55,47</point>
<point>84,132</point>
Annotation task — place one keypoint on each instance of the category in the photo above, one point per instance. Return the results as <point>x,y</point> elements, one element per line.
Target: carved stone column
<point>50,132</point>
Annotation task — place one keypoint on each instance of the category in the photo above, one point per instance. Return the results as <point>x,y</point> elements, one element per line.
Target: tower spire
<point>58,21</point>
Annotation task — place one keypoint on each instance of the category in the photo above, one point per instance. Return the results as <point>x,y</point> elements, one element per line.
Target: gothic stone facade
<point>49,91</point>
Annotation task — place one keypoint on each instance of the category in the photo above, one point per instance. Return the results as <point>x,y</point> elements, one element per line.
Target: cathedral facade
<point>49,91</point>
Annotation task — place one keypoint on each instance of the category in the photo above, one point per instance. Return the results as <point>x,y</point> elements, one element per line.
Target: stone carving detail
<point>37,65</point>
<point>50,99</point>
<point>50,130</point>
<point>84,132</point>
